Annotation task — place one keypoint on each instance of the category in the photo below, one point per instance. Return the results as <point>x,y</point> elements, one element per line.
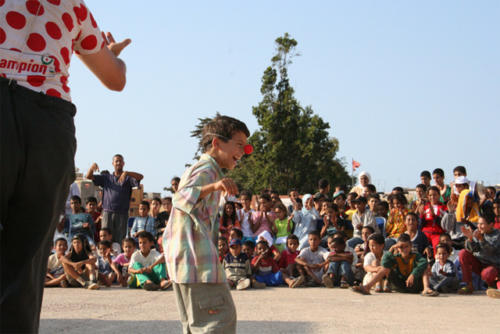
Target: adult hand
<point>227,185</point>
<point>94,167</point>
<point>115,47</point>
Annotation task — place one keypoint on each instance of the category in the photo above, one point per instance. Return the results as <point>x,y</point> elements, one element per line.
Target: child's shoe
<point>64,283</point>
<point>327,281</point>
<point>150,286</point>
<point>297,282</point>
<point>91,285</point>
<point>164,285</point>
<point>344,284</point>
<point>243,284</point>
<point>258,285</point>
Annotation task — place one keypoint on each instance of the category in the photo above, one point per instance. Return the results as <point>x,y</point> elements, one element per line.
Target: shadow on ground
<point>49,326</point>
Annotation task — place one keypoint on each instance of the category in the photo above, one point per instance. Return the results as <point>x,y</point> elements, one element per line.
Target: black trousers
<point>37,148</point>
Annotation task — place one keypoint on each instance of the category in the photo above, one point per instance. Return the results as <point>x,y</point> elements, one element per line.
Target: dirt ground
<point>272,310</point>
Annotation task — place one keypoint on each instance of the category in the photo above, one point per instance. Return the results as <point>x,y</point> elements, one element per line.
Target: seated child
<point>266,236</point>
<point>106,271</point>
<point>263,220</point>
<point>223,248</point>
<point>228,220</point>
<point>79,264</point>
<point>287,262</point>
<point>143,222</point>
<point>106,235</point>
<point>443,273</point>
<point>395,225</point>
<point>122,261</point>
<point>55,271</point>
<point>313,259</point>
<point>339,271</point>
<point>79,222</point>
<point>481,254</point>
<point>453,256</point>
<point>147,266</point>
<point>359,252</point>
<point>406,270</point>
<point>283,225</point>
<point>372,263</point>
<point>419,241</point>
<point>237,266</point>
<point>332,223</point>
<point>267,272</point>
<point>248,248</point>
<point>496,211</point>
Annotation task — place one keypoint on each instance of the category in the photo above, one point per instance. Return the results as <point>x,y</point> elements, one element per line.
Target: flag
<point>355,164</point>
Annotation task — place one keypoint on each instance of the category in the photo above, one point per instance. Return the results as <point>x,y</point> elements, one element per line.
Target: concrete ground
<point>272,310</point>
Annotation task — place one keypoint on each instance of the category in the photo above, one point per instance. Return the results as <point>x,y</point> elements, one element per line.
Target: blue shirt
<point>147,224</point>
<point>75,223</point>
<point>116,196</point>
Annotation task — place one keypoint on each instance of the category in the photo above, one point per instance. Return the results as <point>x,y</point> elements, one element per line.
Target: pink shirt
<point>265,225</point>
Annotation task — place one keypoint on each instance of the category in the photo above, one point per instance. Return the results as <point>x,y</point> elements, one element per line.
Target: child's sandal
<point>430,293</point>
<point>378,289</point>
<point>387,289</point>
<point>360,289</point>
<point>465,291</point>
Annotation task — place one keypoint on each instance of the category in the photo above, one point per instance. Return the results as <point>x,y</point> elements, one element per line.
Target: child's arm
<point>325,226</point>
<point>256,263</point>
<point>116,271</point>
<point>277,255</point>
<point>274,229</point>
<point>289,224</point>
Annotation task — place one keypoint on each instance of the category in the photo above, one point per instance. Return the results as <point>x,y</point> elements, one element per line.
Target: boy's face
<point>233,235</point>
<point>434,197</point>
<point>77,245</point>
<point>144,245</point>
<point>264,204</point>
<point>420,193</point>
<point>61,247</point>
<point>235,250</point>
<point>404,248</point>
<point>280,213</point>
<point>365,233</point>
<point>445,240</point>
<point>222,245</point>
<point>294,195</point>
<point>457,174</point>
<point>246,201</point>
<point>91,207</point>
<point>438,179</point>
<point>425,180</point>
<point>167,205</point>
<point>104,235</point>
<point>104,250</point>
<point>340,201</point>
<point>248,251</point>
<point>496,209</point>
<point>337,247</point>
<point>75,206</point>
<point>360,206</point>
<point>143,210</point>
<point>297,206</point>
<point>230,152</point>
<point>366,192</point>
<point>375,247</point>
<point>155,206</point>
<point>313,241</point>
<point>324,206</point>
<point>262,249</point>
<point>490,193</point>
<point>411,223</point>
<point>442,254</point>
<point>371,203</point>
<point>292,245</point>
<point>128,248</point>
<point>175,185</point>
<point>483,226</point>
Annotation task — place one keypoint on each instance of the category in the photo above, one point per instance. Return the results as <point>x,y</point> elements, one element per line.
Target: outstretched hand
<point>228,186</point>
<point>115,47</point>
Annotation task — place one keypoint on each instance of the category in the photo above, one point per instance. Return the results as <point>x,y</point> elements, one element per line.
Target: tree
<point>292,148</point>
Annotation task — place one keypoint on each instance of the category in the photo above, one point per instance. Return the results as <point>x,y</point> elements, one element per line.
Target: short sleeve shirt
<point>37,39</point>
<point>116,196</point>
<point>145,261</point>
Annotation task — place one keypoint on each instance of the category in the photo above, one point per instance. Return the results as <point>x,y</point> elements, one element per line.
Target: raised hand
<point>115,47</point>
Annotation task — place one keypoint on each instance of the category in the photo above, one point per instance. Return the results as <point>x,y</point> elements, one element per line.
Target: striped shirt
<point>190,238</point>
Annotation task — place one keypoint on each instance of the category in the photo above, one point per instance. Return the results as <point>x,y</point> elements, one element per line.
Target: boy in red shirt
<point>287,262</point>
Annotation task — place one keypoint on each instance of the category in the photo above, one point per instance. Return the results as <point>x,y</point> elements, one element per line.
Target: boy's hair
<point>377,238</point>
<point>222,127</point>
<point>413,214</point>
<point>146,203</point>
<point>265,197</point>
<point>106,229</point>
<point>460,169</point>
<point>262,242</point>
<point>280,206</point>
<point>487,214</point>
<point>129,240</point>
<point>353,196</point>
<point>371,188</point>
<point>323,183</point>
<point>445,246</point>
<point>105,243</point>
<point>360,200</point>
<point>426,173</point>
<point>332,206</point>
<point>438,171</point>
<point>339,241</point>
<point>404,238</point>
<point>246,193</point>
<point>168,198</point>
<point>158,199</point>
<point>145,235</point>
<point>492,188</point>
<point>176,178</point>
<point>91,199</point>
<point>343,195</point>
<point>376,196</point>
<point>434,188</point>
<point>76,198</point>
<point>316,233</point>
<point>249,243</point>
<point>222,238</point>
<point>61,239</point>
<point>292,237</point>
<point>398,189</point>
<point>368,227</point>
<point>445,235</point>
<point>421,186</point>
<point>298,200</point>
<point>342,234</point>
<point>238,232</point>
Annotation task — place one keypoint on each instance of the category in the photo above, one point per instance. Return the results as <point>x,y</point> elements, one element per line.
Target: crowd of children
<point>446,239</point>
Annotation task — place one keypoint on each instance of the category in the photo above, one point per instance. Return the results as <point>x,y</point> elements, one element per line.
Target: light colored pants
<point>205,308</point>
<point>117,222</point>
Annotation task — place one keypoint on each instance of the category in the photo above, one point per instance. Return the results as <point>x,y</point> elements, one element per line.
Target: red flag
<point>355,164</point>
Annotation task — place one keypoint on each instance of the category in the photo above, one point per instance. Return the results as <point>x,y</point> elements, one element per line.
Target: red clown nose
<point>248,149</point>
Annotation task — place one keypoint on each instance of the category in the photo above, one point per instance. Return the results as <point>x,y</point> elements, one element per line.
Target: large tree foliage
<point>293,148</point>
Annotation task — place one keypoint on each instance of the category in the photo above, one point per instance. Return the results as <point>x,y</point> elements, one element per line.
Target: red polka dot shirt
<point>37,39</point>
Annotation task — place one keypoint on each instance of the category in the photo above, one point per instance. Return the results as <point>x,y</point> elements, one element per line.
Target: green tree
<point>292,148</point>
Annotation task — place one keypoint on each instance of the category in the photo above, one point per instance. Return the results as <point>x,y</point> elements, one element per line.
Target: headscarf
<point>364,174</point>
<point>266,236</point>
<point>304,200</point>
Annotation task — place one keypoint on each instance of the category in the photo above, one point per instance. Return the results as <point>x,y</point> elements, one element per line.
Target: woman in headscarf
<point>305,222</point>
<point>364,179</point>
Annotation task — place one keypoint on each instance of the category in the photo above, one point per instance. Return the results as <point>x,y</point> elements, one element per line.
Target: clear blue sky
<point>405,85</point>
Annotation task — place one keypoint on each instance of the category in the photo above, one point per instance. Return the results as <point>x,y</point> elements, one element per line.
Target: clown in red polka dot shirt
<point>37,39</point>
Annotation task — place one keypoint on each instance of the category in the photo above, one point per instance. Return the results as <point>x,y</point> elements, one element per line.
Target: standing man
<point>117,189</point>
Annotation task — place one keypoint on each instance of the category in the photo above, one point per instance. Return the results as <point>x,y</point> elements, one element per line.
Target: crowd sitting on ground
<point>444,240</point>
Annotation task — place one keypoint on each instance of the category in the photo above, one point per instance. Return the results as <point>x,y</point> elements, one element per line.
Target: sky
<point>406,86</point>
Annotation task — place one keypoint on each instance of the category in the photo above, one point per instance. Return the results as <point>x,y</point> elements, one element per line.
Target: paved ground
<point>273,310</point>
